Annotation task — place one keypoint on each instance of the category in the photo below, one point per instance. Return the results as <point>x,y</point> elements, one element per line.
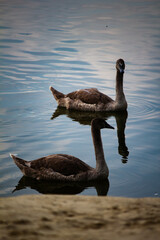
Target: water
<point>72,45</point>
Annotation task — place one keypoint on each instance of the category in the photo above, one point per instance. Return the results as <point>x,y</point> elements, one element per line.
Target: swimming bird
<point>67,168</point>
<point>91,99</point>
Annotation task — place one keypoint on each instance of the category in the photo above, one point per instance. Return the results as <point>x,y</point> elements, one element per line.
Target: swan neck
<point>119,86</point>
<point>101,165</point>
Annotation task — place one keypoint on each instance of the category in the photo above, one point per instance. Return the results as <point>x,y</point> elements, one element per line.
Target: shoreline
<point>79,217</point>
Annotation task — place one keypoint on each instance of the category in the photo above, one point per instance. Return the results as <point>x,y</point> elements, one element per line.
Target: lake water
<point>71,45</point>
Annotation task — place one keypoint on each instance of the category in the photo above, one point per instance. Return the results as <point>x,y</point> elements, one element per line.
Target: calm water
<point>71,45</point>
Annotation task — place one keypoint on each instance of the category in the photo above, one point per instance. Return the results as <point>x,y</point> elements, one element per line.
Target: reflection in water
<point>47,187</point>
<point>121,124</point>
<point>85,118</point>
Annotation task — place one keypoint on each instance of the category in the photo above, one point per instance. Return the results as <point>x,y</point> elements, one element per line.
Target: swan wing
<point>59,167</point>
<point>90,96</point>
<point>60,163</point>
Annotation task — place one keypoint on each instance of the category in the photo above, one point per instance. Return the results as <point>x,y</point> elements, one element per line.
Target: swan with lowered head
<point>93,100</point>
<point>63,167</point>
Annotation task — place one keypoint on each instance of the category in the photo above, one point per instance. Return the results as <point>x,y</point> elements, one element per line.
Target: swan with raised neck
<point>63,167</point>
<point>93,100</point>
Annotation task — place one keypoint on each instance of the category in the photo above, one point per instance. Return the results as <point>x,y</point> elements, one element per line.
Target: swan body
<point>91,99</point>
<point>63,167</point>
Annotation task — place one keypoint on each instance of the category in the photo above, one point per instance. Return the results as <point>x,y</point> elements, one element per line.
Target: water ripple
<point>143,108</point>
<point>11,40</point>
<point>66,49</point>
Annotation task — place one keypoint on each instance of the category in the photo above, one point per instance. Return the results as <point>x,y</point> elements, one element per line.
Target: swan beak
<point>108,126</point>
<point>120,68</point>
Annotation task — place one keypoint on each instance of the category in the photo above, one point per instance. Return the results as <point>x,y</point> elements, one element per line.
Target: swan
<point>93,100</point>
<point>67,168</point>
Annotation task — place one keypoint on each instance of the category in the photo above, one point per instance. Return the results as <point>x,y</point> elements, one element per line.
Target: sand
<point>79,217</point>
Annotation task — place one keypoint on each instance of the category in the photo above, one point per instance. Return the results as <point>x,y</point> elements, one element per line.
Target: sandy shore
<point>79,217</point>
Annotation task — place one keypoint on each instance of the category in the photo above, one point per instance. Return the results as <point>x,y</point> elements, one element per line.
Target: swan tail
<point>24,166</point>
<point>57,95</point>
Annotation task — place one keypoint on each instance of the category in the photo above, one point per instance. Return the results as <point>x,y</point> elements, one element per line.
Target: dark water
<point>72,45</point>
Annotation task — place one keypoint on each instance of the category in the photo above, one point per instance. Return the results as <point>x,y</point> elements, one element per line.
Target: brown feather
<point>90,96</point>
<point>93,100</point>
<point>61,163</point>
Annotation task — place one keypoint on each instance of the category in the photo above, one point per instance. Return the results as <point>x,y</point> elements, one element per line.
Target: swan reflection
<point>85,118</point>
<point>47,187</point>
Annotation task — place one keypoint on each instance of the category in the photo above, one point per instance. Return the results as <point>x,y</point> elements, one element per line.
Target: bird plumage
<point>91,99</point>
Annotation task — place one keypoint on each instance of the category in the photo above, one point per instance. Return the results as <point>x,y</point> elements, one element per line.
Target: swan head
<point>100,123</point>
<point>120,65</point>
